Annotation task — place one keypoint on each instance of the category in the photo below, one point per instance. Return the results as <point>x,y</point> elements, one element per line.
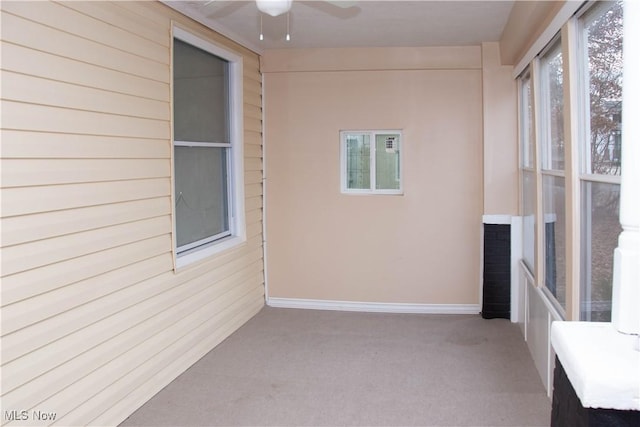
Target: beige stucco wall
<point>500,125</point>
<point>422,247</point>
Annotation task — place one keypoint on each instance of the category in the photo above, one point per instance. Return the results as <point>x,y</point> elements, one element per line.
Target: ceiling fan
<point>278,7</point>
<point>274,7</point>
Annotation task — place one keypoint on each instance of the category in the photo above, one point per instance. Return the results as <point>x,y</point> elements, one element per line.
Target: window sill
<point>373,193</point>
<point>602,363</point>
<point>198,254</point>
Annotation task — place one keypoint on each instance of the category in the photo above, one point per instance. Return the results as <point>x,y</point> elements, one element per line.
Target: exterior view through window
<point>371,162</point>
<point>597,48</point>
<point>601,36</point>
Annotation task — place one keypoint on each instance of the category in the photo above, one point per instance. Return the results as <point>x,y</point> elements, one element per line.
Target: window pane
<point>358,161</point>
<point>600,231</point>
<point>201,98</point>
<point>201,194</point>
<point>554,237</point>
<point>603,31</point>
<point>388,162</point>
<point>526,119</point>
<point>529,213</point>
<point>553,120</point>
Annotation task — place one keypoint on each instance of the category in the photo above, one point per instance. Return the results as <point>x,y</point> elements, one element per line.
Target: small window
<point>207,148</point>
<point>371,162</point>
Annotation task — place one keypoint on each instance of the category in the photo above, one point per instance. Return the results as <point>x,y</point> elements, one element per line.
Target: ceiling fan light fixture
<point>274,7</point>
<point>288,36</point>
<point>261,33</point>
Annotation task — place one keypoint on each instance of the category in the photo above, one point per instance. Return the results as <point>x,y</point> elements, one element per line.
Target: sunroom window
<point>207,148</point>
<point>601,49</point>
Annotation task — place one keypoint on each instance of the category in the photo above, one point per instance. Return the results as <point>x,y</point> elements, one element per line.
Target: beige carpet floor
<point>324,368</point>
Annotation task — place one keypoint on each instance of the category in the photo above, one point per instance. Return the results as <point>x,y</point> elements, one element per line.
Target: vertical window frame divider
<point>573,133</point>
<point>372,162</point>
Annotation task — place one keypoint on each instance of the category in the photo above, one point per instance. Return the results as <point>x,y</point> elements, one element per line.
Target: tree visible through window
<point>603,31</point>
<point>601,37</point>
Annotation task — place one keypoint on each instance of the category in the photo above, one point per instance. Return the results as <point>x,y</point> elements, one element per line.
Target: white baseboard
<point>376,307</point>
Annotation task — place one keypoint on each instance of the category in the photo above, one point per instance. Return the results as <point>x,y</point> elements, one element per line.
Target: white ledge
<point>602,364</point>
<point>496,219</point>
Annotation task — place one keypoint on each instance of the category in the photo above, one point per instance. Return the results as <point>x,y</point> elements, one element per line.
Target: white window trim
<point>237,223</point>
<point>343,163</point>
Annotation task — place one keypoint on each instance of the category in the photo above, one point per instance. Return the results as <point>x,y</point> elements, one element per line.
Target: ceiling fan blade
<point>342,4</point>
<point>337,9</point>
<point>221,9</point>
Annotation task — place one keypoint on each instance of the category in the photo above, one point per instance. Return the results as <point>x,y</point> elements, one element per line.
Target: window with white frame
<point>595,111</point>
<point>600,48</point>
<point>207,148</point>
<point>371,162</point>
<point>551,129</point>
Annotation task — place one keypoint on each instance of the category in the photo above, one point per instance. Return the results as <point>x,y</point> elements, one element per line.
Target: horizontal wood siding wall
<point>94,319</point>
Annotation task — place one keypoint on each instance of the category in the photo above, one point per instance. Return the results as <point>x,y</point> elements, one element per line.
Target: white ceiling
<point>367,23</point>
